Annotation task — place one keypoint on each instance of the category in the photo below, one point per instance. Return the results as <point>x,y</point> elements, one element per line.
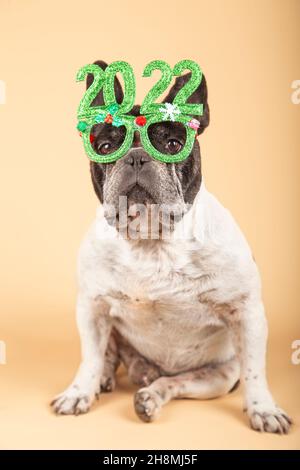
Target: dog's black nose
<point>137,158</point>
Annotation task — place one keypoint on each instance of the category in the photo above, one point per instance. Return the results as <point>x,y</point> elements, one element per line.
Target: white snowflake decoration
<point>169,111</point>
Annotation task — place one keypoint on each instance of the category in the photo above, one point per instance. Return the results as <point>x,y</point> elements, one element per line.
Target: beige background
<point>250,53</point>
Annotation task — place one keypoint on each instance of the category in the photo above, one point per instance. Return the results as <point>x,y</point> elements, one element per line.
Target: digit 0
<point>129,85</point>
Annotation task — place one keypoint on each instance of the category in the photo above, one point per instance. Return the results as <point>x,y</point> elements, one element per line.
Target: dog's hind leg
<point>207,382</point>
<point>111,364</point>
<point>140,371</point>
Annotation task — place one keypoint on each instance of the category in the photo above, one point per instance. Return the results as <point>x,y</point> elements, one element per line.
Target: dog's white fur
<point>183,304</point>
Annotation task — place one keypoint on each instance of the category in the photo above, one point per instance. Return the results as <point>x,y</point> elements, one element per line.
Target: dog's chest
<point>156,279</point>
<point>155,305</point>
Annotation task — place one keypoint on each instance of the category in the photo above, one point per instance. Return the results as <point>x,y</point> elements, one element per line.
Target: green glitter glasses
<point>151,112</point>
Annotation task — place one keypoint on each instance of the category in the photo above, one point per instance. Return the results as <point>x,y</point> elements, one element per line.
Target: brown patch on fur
<point>230,309</point>
<point>117,295</point>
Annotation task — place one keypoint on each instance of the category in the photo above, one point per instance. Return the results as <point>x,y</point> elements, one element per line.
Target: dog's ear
<point>199,96</point>
<point>99,101</point>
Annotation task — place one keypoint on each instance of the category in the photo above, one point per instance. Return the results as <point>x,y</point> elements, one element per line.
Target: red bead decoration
<point>92,138</point>
<point>108,119</point>
<point>140,121</point>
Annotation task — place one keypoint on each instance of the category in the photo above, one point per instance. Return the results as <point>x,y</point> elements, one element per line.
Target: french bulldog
<point>184,314</point>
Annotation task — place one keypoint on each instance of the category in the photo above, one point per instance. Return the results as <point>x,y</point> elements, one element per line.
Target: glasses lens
<point>107,138</point>
<point>167,137</point>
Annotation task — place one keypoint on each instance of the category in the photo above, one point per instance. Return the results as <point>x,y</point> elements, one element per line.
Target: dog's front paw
<point>147,404</point>
<point>72,401</point>
<point>269,419</point>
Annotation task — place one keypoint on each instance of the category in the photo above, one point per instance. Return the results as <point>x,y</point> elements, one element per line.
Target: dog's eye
<point>105,148</point>
<point>173,146</point>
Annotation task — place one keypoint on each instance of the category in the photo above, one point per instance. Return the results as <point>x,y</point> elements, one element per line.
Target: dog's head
<point>138,176</point>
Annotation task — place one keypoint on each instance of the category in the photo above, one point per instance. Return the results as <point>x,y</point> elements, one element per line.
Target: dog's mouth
<point>139,195</point>
<point>137,214</point>
<point>147,221</point>
<point>136,203</point>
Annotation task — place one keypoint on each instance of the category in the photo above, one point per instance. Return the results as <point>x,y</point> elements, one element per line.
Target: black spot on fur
<point>236,385</point>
